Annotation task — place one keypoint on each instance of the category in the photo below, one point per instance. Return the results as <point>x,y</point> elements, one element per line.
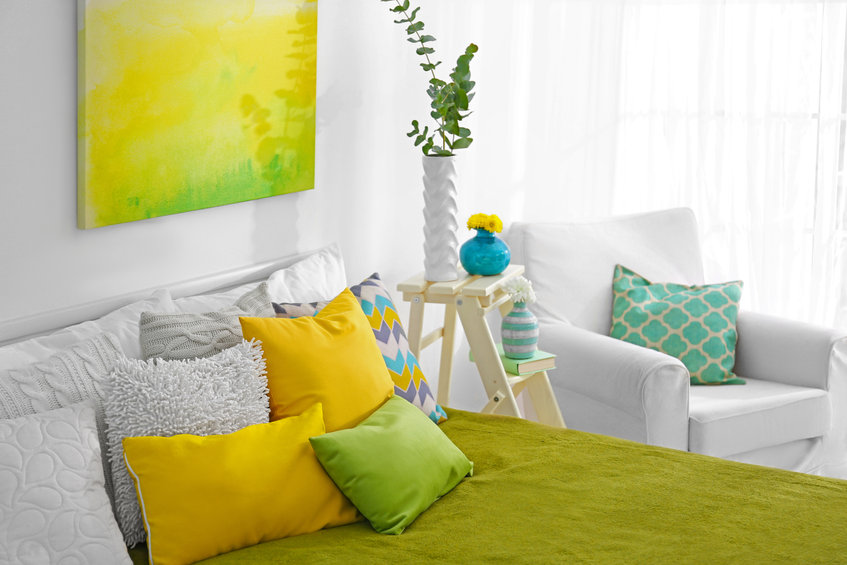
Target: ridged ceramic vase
<point>519,332</point>
<point>441,243</point>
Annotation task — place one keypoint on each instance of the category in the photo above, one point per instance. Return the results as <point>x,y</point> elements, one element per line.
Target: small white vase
<point>441,243</point>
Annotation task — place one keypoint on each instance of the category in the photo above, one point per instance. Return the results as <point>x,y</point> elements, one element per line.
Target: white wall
<point>49,263</point>
<point>367,195</point>
<point>545,140</point>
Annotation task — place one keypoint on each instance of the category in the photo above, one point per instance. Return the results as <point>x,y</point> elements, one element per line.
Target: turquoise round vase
<point>485,254</point>
<point>519,332</point>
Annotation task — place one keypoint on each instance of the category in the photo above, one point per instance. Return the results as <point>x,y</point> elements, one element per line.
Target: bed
<point>540,495</point>
<point>547,495</point>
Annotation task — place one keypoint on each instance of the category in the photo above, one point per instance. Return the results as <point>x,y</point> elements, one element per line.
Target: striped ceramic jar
<point>519,332</point>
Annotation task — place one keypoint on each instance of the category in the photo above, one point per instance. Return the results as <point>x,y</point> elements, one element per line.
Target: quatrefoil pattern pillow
<point>695,324</point>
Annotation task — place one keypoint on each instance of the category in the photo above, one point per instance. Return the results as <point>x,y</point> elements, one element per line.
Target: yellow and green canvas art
<point>191,104</point>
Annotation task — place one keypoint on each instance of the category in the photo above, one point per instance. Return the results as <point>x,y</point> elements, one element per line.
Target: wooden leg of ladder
<point>415,333</point>
<point>495,403</point>
<point>544,401</point>
<point>486,357</point>
<point>445,370</point>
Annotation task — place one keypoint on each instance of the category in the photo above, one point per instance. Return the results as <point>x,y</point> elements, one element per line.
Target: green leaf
<point>427,38</point>
<point>464,132</point>
<point>424,50</point>
<point>442,152</point>
<point>435,115</point>
<point>415,129</point>
<point>422,136</point>
<point>439,105</point>
<point>414,28</point>
<point>430,66</point>
<point>462,143</point>
<point>428,145</point>
<point>471,49</point>
<point>402,7</point>
<point>462,99</point>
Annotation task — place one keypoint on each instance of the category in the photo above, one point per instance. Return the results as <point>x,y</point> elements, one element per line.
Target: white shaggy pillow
<point>213,395</point>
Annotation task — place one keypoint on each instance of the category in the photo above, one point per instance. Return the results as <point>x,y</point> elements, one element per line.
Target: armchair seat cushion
<point>726,420</point>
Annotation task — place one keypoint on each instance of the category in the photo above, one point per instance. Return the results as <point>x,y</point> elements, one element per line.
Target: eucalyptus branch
<point>448,99</point>
<point>416,28</point>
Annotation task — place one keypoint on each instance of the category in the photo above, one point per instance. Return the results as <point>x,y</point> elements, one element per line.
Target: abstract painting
<point>191,104</point>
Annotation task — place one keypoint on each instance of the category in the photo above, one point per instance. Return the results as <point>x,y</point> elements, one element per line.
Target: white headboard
<point>45,322</point>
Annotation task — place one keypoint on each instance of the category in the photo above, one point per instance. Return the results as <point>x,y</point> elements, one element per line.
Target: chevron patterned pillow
<point>403,366</point>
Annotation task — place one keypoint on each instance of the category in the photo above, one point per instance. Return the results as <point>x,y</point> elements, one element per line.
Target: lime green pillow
<point>393,465</point>
<point>695,324</point>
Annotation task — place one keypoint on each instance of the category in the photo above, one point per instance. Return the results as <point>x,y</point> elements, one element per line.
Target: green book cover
<point>540,361</point>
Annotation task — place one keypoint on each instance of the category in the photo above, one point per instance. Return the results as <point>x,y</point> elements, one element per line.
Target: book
<point>540,361</point>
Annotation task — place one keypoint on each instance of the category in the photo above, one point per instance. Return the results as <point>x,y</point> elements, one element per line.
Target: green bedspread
<point>544,495</point>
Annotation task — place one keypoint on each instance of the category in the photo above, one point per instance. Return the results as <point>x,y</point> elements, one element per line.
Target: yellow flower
<point>494,224</point>
<point>485,222</point>
<point>477,221</point>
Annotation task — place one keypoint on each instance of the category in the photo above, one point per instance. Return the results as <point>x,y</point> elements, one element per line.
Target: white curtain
<point>734,108</point>
<point>737,110</point>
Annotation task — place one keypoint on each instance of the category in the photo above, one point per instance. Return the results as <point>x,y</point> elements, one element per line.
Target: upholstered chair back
<point>571,265</point>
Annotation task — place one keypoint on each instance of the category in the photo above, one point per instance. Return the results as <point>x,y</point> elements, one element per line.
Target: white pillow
<point>203,303</point>
<point>213,395</point>
<point>53,505</point>
<point>319,276</point>
<point>66,378</point>
<point>122,323</point>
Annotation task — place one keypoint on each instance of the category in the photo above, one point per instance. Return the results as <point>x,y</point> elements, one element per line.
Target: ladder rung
<point>431,338</point>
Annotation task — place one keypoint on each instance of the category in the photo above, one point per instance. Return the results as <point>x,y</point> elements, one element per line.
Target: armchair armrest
<point>788,352</point>
<point>648,387</point>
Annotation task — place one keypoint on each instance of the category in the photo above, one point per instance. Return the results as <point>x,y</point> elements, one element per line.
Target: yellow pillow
<point>205,495</point>
<point>332,358</point>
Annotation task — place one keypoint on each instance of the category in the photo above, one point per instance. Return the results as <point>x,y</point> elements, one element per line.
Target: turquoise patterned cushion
<point>695,324</point>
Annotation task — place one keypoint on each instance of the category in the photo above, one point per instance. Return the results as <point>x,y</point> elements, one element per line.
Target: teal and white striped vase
<point>519,332</point>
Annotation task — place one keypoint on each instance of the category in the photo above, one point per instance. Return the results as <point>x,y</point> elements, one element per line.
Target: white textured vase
<point>441,243</point>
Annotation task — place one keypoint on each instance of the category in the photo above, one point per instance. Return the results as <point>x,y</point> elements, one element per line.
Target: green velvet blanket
<point>545,495</point>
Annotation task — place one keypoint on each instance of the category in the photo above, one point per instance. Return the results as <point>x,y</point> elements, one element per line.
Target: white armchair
<point>792,413</point>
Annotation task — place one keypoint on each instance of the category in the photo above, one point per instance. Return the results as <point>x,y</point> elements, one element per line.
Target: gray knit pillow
<point>66,378</point>
<point>189,336</point>
<point>216,395</point>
